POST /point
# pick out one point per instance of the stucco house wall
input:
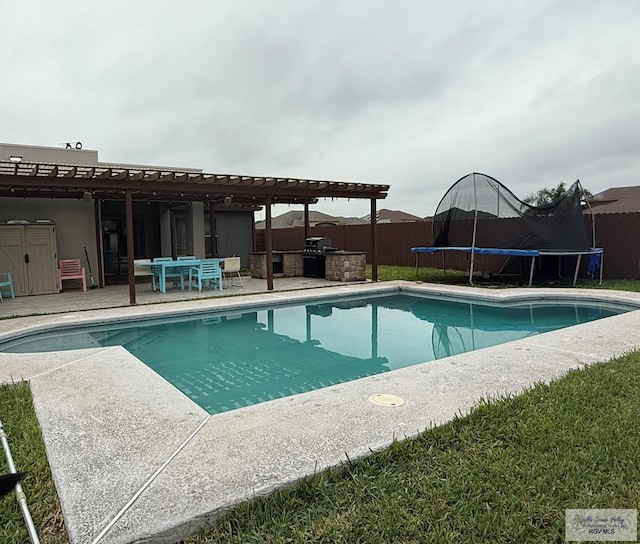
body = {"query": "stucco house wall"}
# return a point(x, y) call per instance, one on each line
point(235, 235)
point(74, 219)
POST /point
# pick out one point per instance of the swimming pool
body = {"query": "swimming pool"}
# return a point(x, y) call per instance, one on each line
point(224, 361)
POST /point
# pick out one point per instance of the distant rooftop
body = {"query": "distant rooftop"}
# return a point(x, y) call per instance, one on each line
point(392, 216)
point(295, 218)
point(617, 200)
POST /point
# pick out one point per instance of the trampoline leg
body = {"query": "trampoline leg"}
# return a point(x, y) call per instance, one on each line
point(560, 266)
point(416, 265)
point(601, 266)
point(575, 274)
point(533, 262)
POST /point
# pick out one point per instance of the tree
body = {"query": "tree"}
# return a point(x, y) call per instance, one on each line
point(546, 196)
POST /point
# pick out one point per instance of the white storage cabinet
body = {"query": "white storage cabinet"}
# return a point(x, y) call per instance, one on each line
point(29, 253)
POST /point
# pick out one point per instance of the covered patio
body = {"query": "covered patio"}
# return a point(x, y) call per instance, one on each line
point(24, 180)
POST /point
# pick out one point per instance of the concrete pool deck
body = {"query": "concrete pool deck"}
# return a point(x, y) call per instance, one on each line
point(134, 460)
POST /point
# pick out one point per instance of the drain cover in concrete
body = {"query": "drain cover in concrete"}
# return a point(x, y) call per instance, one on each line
point(386, 399)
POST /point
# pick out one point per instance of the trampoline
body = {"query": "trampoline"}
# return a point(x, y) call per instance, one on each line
point(479, 215)
point(533, 253)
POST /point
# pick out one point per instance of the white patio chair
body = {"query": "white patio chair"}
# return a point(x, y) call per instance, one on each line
point(231, 268)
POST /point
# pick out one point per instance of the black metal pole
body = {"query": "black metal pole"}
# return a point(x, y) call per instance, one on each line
point(268, 243)
point(128, 210)
point(374, 241)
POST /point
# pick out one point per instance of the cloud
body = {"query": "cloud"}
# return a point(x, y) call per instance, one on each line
point(412, 94)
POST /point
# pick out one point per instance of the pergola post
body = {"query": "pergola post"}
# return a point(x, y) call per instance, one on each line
point(213, 230)
point(128, 212)
point(268, 242)
point(374, 241)
point(97, 212)
point(306, 221)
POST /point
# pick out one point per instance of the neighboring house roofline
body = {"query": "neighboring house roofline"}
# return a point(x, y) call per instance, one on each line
point(615, 200)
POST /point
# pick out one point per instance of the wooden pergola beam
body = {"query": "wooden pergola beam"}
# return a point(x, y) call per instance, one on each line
point(109, 178)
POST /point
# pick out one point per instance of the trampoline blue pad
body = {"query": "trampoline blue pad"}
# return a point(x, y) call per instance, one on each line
point(480, 250)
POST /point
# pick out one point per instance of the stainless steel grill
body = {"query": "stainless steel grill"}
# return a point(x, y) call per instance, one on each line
point(314, 256)
point(316, 244)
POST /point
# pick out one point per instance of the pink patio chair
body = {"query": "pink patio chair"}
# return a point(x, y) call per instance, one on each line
point(71, 269)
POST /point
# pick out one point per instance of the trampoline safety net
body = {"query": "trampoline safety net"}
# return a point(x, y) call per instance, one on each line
point(479, 211)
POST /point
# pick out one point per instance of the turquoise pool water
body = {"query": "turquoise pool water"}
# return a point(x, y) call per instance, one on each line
point(226, 361)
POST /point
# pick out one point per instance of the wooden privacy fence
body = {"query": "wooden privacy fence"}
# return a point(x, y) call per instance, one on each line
point(617, 233)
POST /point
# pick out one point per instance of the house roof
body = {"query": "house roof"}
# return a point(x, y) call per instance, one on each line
point(616, 193)
point(295, 218)
point(392, 216)
point(47, 180)
point(617, 200)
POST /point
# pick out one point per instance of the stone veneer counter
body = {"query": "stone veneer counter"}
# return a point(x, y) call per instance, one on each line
point(286, 264)
point(346, 266)
point(340, 265)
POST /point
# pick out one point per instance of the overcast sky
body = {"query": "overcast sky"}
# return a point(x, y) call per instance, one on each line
point(414, 94)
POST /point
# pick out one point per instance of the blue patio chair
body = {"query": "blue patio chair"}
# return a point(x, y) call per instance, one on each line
point(174, 274)
point(185, 271)
point(208, 269)
point(5, 281)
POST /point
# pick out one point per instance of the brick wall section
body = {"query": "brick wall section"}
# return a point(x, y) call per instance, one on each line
point(258, 266)
point(345, 266)
point(292, 264)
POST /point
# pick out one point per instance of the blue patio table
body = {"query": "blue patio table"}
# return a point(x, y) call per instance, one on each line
point(180, 265)
point(161, 268)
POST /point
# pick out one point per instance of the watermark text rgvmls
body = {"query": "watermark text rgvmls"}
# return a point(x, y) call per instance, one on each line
point(604, 525)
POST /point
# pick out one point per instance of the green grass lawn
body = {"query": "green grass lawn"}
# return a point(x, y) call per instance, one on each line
point(27, 449)
point(430, 275)
point(458, 277)
point(504, 473)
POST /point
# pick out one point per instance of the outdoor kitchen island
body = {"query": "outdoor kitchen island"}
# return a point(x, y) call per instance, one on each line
point(346, 266)
point(317, 260)
point(286, 264)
